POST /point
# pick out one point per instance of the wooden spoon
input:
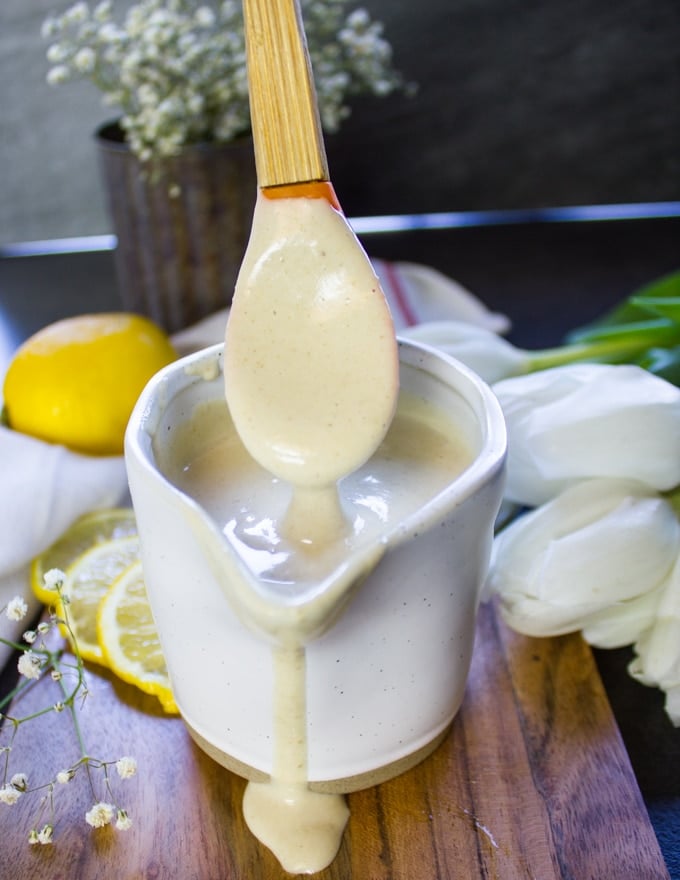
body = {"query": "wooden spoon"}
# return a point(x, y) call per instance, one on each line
point(285, 121)
point(311, 363)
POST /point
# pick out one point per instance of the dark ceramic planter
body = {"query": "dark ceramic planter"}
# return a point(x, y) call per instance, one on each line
point(178, 254)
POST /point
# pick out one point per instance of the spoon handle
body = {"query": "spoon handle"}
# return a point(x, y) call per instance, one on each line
point(285, 119)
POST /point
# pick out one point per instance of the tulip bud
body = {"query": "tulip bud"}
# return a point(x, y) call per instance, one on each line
point(436, 296)
point(657, 660)
point(488, 355)
point(621, 624)
point(571, 423)
point(598, 545)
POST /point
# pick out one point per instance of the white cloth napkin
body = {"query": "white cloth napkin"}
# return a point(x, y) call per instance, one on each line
point(44, 488)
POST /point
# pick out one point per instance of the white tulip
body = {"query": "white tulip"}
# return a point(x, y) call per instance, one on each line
point(441, 298)
point(673, 704)
point(657, 660)
point(575, 422)
point(488, 355)
point(622, 623)
point(596, 546)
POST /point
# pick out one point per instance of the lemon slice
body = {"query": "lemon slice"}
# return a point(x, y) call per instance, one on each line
point(128, 637)
point(87, 582)
point(91, 529)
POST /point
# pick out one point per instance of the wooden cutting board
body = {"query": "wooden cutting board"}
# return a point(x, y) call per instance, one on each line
point(532, 782)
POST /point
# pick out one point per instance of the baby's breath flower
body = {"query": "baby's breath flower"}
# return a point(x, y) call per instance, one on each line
point(19, 781)
point(123, 821)
point(205, 17)
point(54, 579)
point(16, 608)
point(109, 33)
point(9, 795)
point(84, 60)
point(29, 665)
point(50, 28)
point(45, 834)
point(102, 11)
point(100, 814)
point(126, 767)
point(358, 19)
point(57, 53)
point(77, 13)
point(185, 61)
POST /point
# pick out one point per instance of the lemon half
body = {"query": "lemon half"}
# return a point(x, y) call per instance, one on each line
point(76, 382)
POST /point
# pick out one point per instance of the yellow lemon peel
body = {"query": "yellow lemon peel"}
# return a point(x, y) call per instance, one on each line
point(128, 637)
point(75, 382)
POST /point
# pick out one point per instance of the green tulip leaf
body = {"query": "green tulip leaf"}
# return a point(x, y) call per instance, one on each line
point(635, 309)
point(666, 307)
point(645, 333)
point(663, 362)
point(665, 287)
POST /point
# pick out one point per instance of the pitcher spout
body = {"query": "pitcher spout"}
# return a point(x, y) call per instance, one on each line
point(288, 614)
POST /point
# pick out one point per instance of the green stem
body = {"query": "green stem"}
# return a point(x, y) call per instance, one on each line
point(21, 686)
point(673, 498)
point(8, 749)
point(607, 350)
point(69, 700)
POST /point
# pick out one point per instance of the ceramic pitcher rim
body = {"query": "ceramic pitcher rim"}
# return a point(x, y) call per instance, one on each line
point(487, 463)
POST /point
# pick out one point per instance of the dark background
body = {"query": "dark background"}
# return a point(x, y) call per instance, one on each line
point(521, 103)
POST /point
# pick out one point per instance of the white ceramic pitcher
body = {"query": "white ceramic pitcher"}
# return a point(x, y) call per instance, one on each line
point(386, 678)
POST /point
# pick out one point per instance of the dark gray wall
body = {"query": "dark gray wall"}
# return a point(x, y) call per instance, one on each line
point(521, 103)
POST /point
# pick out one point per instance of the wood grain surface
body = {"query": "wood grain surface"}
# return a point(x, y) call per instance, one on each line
point(289, 146)
point(532, 782)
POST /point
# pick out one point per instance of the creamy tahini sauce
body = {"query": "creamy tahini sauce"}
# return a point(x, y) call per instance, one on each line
point(311, 371)
point(311, 362)
point(311, 379)
point(420, 455)
point(301, 827)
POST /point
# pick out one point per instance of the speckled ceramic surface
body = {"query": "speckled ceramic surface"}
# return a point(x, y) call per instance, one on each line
point(386, 679)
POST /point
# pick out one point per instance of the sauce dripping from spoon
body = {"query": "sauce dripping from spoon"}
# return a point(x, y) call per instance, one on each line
point(302, 828)
point(311, 379)
point(311, 364)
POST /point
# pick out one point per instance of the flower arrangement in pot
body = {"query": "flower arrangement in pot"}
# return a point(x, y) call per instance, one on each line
point(177, 163)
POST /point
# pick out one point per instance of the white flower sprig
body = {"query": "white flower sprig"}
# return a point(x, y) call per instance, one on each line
point(36, 660)
point(177, 68)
